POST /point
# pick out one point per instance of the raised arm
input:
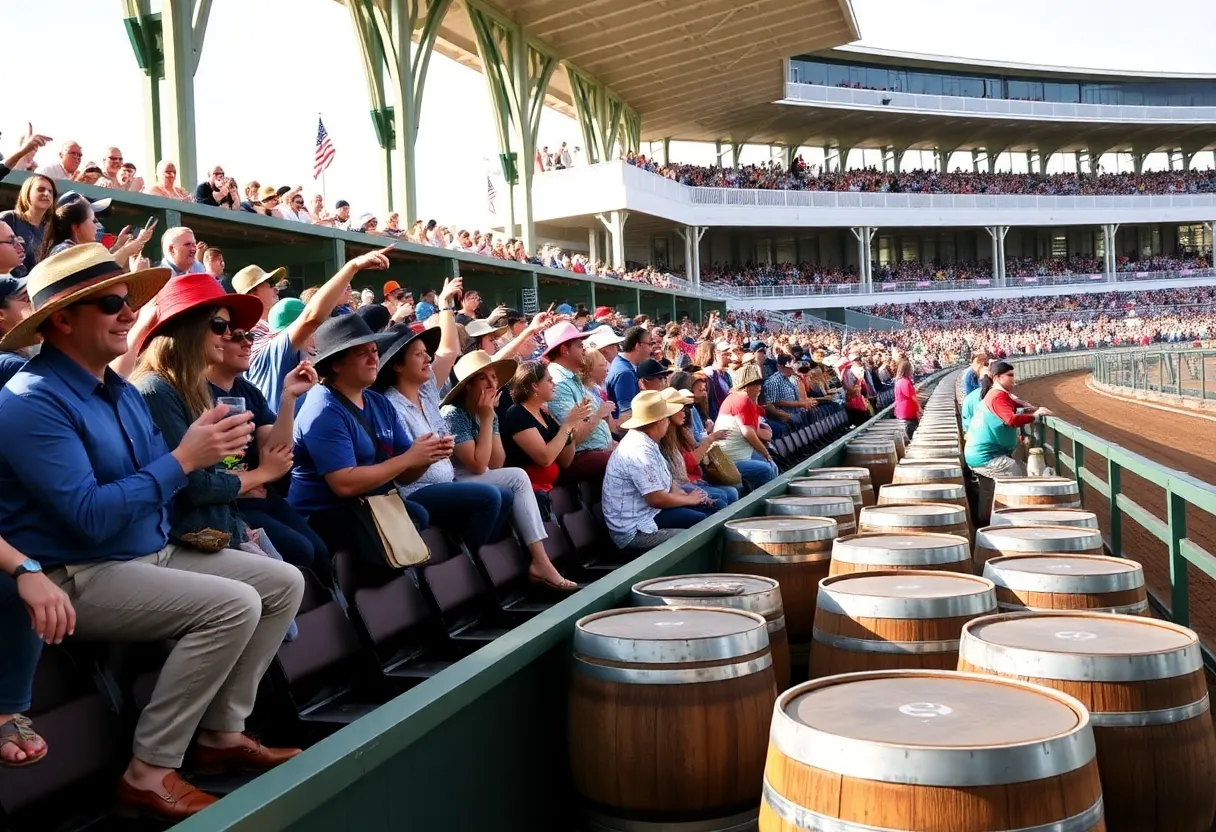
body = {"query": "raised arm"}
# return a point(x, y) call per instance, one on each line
point(332, 293)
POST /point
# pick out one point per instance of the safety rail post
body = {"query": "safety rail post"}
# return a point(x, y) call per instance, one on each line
point(1175, 516)
point(1114, 487)
point(1078, 462)
point(1203, 376)
point(1055, 449)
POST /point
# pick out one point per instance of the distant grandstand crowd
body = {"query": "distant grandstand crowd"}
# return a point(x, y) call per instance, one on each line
point(802, 177)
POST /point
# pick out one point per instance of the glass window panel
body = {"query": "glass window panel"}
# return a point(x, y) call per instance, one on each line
point(878, 79)
point(837, 75)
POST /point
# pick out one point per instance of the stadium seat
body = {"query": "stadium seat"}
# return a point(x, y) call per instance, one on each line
point(563, 501)
point(460, 593)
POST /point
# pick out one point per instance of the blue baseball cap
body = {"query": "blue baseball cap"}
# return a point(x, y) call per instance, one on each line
point(10, 286)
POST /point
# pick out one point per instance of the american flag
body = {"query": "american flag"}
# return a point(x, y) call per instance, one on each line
point(325, 151)
point(491, 195)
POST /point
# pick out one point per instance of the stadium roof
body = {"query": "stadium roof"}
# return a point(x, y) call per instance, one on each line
point(683, 65)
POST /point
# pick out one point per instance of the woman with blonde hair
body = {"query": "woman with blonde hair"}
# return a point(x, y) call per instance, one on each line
point(31, 217)
point(166, 183)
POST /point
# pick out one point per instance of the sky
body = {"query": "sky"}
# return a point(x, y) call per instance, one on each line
point(265, 75)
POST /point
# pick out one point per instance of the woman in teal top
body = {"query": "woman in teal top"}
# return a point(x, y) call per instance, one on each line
point(992, 431)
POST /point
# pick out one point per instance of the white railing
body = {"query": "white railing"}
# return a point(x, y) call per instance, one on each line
point(1075, 314)
point(1007, 108)
point(793, 290)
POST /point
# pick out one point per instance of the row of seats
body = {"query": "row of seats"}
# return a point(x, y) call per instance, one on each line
point(374, 635)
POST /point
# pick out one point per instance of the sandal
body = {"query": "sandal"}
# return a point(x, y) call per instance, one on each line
point(564, 586)
point(19, 731)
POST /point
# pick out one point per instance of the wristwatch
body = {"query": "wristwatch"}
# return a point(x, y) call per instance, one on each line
point(27, 565)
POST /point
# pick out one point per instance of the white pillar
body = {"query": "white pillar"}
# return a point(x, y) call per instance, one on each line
point(698, 233)
point(997, 233)
point(617, 229)
point(1211, 227)
point(593, 245)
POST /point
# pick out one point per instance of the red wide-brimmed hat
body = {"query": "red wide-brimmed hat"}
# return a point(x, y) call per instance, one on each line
point(196, 291)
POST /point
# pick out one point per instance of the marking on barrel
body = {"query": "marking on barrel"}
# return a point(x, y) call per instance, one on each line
point(1060, 567)
point(907, 586)
point(1076, 635)
point(925, 710)
point(669, 623)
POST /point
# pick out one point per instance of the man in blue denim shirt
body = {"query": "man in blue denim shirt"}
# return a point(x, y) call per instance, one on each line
point(85, 487)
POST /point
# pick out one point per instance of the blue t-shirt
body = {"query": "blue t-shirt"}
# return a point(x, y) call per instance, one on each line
point(328, 439)
point(10, 364)
point(270, 366)
point(622, 383)
point(971, 381)
point(424, 310)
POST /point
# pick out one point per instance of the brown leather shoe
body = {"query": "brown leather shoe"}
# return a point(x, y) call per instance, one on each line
point(183, 800)
point(256, 757)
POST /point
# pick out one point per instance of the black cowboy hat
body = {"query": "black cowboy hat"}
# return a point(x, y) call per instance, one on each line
point(399, 337)
point(336, 335)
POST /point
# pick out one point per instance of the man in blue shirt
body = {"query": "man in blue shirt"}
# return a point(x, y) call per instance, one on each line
point(971, 378)
point(86, 483)
point(623, 371)
point(180, 250)
point(426, 307)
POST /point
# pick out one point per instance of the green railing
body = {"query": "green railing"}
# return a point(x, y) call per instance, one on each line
point(1183, 494)
point(1187, 374)
point(481, 745)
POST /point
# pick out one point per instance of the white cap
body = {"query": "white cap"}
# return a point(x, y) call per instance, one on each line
point(603, 336)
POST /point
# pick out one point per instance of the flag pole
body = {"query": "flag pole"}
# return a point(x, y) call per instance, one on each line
point(324, 193)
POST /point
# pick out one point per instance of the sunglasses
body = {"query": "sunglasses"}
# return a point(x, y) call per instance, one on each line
point(108, 304)
point(223, 326)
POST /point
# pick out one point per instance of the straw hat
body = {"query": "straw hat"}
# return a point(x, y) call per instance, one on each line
point(479, 327)
point(77, 273)
point(678, 396)
point(251, 277)
point(472, 364)
point(648, 407)
point(745, 375)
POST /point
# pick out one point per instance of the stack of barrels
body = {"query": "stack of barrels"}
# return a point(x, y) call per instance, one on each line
point(1006, 678)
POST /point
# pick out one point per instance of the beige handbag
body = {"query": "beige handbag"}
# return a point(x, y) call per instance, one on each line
point(719, 469)
point(402, 544)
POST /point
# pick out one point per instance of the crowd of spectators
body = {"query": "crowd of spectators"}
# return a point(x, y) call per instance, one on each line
point(802, 177)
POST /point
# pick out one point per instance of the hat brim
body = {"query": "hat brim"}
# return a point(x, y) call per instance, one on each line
point(495, 332)
point(639, 422)
point(399, 341)
point(666, 372)
point(737, 387)
point(276, 275)
point(246, 311)
point(377, 338)
point(582, 336)
point(504, 367)
point(142, 286)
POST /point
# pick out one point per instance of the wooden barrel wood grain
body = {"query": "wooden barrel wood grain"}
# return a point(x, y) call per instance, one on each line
point(752, 593)
point(1027, 492)
point(929, 750)
point(925, 471)
point(682, 668)
point(1143, 683)
point(839, 509)
point(876, 455)
point(1010, 541)
point(861, 475)
point(825, 487)
point(938, 518)
point(1045, 517)
point(922, 492)
point(878, 551)
point(1090, 583)
point(894, 619)
point(794, 551)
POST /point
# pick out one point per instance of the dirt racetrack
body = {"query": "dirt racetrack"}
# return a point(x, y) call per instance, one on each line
point(1176, 440)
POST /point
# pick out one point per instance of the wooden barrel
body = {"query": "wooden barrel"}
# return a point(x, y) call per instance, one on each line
point(914, 472)
point(1026, 492)
point(914, 518)
point(875, 455)
point(928, 750)
point(816, 487)
point(898, 437)
point(868, 552)
point(682, 668)
point(794, 551)
point(923, 452)
point(1078, 517)
point(724, 589)
point(923, 492)
point(862, 475)
point(1011, 541)
point(1091, 583)
point(1143, 683)
point(839, 509)
point(895, 619)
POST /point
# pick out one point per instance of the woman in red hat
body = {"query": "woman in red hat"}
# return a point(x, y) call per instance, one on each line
point(194, 317)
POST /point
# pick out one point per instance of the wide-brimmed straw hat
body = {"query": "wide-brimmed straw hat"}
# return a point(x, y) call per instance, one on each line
point(746, 375)
point(648, 407)
point(472, 364)
point(74, 274)
point(251, 277)
point(677, 395)
point(189, 292)
point(480, 327)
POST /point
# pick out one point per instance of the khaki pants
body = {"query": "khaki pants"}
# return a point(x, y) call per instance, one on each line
point(228, 612)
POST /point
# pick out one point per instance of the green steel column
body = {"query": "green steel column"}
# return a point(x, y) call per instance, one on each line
point(1114, 484)
point(184, 26)
point(144, 32)
point(1175, 517)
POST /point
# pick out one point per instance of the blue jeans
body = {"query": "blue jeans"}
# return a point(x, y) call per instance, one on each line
point(22, 647)
point(475, 512)
point(684, 517)
point(722, 495)
point(288, 531)
point(756, 471)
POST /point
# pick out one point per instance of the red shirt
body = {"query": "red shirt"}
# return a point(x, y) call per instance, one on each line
point(691, 466)
point(738, 404)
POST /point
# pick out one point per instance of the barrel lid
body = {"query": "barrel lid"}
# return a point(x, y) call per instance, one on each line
point(1037, 537)
point(776, 528)
point(934, 465)
point(746, 584)
point(908, 584)
point(1074, 574)
point(930, 460)
point(886, 547)
point(925, 489)
point(1045, 516)
point(670, 635)
point(937, 728)
point(875, 443)
point(913, 514)
point(840, 473)
point(849, 485)
point(1065, 565)
point(814, 503)
point(1036, 485)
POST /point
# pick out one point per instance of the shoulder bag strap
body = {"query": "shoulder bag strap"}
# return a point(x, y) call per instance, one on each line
point(362, 420)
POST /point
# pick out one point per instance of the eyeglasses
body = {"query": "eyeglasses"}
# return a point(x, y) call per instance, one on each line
point(108, 304)
point(239, 335)
point(75, 154)
point(12, 241)
point(114, 158)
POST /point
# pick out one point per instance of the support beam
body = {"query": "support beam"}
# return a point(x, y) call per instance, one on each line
point(593, 245)
point(975, 161)
point(615, 223)
point(1211, 227)
point(997, 233)
point(865, 272)
point(607, 123)
point(1138, 162)
point(1108, 251)
point(699, 232)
